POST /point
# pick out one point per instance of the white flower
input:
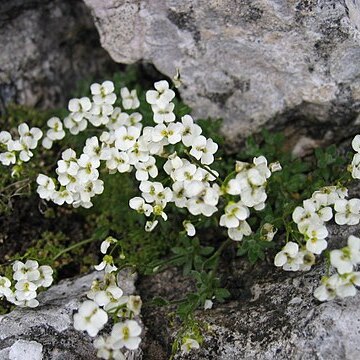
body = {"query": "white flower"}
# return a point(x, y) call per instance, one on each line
point(7, 158)
point(306, 260)
point(92, 148)
point(138, 204)
point(90, 318)
point(327, 291)
point(189, 228)
point(139, 152)
point(105, 347)
point(172, 133)
point(79, 108)
point(347, 286)
point(134, 120)
point(75, 127)
point(62, 196)
point(186, 171)
point(116, 119)
point(56, 132)
point(28, 271)
point(254, 197)
point(118, 160)
point(25, 290)
point(99, 114)
point(162, 95)
point(134, 304)
point(88, 171)
point(29, 137)
point(305, 215)
point(5, 284)
point(110, 295)
point(5, 137)
point(107, 264)
point(205, 203)
point(126, 137)
point(234, 213)
point(189, 344)
point(190, 130)
point(345, 259)
point(155, 192)
point(355, 166)
point(287, 257)
point(104, 93)
point(46, 276)
point(356, 143)
point(146, 169)
point(106, 244)
point(126, 334)
point(347, 211)
point(163, 113)
point(208, 304)
point(46, 186)
point(179, 194)
point(315, 236)
point(129, 99)
point(261, 165)
point(239, 232)
point(255, 177)
point(173, 162)
point(203, 149)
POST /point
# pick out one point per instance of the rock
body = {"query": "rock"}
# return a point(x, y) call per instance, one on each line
point(271, 315)
point(253, 63)
point(47, 332)
point(46, 48)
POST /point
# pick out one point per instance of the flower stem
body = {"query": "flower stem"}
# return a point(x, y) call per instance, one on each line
point(72, 247)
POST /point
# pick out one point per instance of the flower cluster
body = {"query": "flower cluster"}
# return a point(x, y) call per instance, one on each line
point(311, 221)
point(343, 282)
point(78, 178)
point(325, 204)
point(28, 276)
point(11, 148)
point(250, 185)
point(106, 297)
point(126, 145)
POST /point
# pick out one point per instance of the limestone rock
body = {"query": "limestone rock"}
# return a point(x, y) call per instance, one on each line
point(47, 331)
point(272, 314)
point(252, 63)
point(46, 48)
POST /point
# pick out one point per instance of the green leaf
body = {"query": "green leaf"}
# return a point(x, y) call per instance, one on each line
point(221, 294)
point(159, 301)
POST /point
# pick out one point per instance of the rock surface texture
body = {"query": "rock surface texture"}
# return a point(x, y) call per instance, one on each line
point(250, 62)
point(46, 47)
point(47, 332)
point(272, 314)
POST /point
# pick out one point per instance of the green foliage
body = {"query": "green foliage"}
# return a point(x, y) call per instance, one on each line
point(208, 286)
point(191, 255)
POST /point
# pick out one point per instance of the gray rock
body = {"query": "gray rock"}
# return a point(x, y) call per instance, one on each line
point(47, 332)
point(272, 314)
point(46, 48)
point(252, 63)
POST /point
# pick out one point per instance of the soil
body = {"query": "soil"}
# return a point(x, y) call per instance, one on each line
point(24, 224)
